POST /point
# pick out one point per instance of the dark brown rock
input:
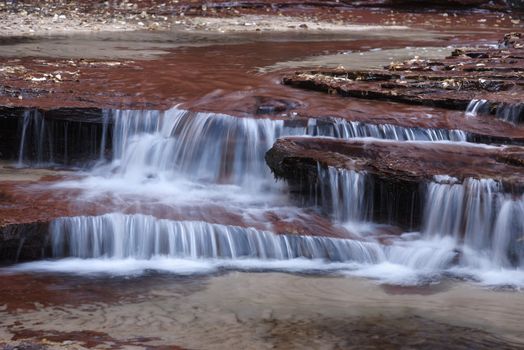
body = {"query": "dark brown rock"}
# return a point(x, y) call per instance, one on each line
point(399, 161)
point(23, 242)
point(494, 75)
point(397, 172)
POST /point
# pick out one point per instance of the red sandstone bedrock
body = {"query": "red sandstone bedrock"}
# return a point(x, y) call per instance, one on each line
point(495, 75)
point(399, 161)
point(396, 172)
point(28, 207)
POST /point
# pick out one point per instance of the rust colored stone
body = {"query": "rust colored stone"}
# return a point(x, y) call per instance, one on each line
point(410, 162)
point(494, 75)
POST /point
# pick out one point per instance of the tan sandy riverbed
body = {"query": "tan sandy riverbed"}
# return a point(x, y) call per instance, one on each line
point(282, 311)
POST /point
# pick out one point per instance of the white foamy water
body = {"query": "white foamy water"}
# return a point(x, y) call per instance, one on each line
point(513, 113)
point(479, 216)
point(236, 143)
point(133, 244)
point(144, 237)
point(470, 230)
point(345, 193)
point(177, 156)
point(220, 148)
point(475, 107)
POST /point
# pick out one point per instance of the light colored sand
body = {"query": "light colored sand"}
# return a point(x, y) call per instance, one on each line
point(241, 310)
point(30, 24)
point(270, 23)
point(374, 59)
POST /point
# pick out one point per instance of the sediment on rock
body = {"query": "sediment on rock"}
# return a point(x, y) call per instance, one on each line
point(396, 171)
point(492, 75)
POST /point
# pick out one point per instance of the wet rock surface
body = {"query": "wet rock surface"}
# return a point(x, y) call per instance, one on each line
point(23, 242)
point(492, 74)
point(61, 87)
point(28, 206)
point(395, 172)
point(398, 161)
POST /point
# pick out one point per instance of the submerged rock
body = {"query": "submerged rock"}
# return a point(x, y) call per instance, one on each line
point(491, 74)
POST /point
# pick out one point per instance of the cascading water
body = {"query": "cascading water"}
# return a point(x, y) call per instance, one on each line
point(35, 138)
point(46, 142)
point(479, 217)
point(53, 142)
point(222, 148)
point(512, 113)
point(345, 192)
point(464, 225)
point(144, 237)
point(476, 107)
point(350, 129)
point(132, 241)
point(209, 147)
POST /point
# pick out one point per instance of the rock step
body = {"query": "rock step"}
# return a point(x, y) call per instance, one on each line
point(397, 172)
point(492, 75)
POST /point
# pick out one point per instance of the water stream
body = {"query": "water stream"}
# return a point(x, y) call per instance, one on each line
point(179, 157)
point(512, 113)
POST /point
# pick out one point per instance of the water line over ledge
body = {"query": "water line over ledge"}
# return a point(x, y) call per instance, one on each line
point(222, 148)
point(485, 224)
point(46, 141)
point(118, 243)
point(479, 216)
point(181, 156)
point(511, 113)
point(119, 236)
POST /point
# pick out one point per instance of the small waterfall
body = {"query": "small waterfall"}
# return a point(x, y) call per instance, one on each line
point(206, 146)
point(45, 142)
point(478, 215)
point(346, 193)
point(225, 149)
point(512, 113)
point(350, 129)
point(36, 139)
point(105, 126)
point(181, 137)
point(122, 236)
point(476, 107)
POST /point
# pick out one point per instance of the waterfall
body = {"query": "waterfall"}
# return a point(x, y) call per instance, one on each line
point(138, 236)
point(346, 193)
point(36, 139)
point(177, 135)
point(118, 240)
point(46, 141)
point(476, 107)
point(105, 126)
point(512, 113)
point(206, 146)
point(350, 129)
point(120, 243)
point(479, 216)
point(220, 148)
point(470, 224)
